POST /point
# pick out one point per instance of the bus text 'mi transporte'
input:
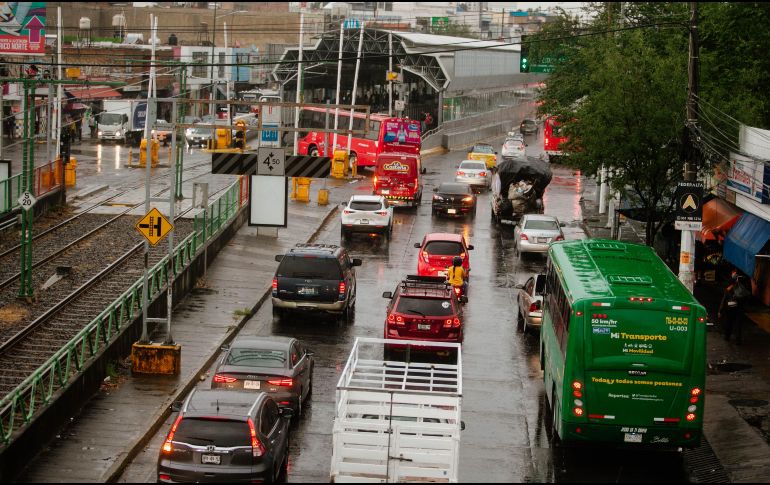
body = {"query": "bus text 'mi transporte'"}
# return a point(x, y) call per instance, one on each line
point(622, 347)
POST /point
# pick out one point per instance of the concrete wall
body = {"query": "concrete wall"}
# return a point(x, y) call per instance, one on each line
point(68, 402)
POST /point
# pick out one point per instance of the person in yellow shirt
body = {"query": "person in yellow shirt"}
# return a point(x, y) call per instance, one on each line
point(455, 274)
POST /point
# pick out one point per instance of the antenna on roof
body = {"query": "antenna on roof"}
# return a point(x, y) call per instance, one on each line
point(217, 406)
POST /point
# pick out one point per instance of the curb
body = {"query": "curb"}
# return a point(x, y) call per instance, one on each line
point(116, 470)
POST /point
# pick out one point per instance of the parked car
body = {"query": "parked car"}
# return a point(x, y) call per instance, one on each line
point(437, 250)
point(315, 277)
point(534, 232)
point(279, 366)
point(484, 152)
point(473, 173)
point(225, 436)
point(529, 126)
point(424, 308)
point(162, 131)
point(366, 214)
point(514, 148)
point(530, 302)
point(198, 135)
point(453, 199)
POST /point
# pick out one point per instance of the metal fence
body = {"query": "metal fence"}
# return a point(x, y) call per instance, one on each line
point(19, 406)
point(459, 107)
point(45, 178)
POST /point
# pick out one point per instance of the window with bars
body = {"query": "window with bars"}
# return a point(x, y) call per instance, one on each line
point(200, 59)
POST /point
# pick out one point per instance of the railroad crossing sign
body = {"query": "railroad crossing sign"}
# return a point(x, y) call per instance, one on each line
point(689, 207)
point(270, 161)
point(154, 226)
point(27, 200)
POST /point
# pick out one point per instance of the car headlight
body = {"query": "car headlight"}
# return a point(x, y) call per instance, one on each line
point(118, 133)
point(438, 198)
point(99, 133)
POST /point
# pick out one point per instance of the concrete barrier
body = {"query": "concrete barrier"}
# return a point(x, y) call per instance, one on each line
point(461, 133)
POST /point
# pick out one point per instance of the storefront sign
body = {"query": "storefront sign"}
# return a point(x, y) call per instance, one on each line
point(22, 28)
point(748, 177)
point(689, 206)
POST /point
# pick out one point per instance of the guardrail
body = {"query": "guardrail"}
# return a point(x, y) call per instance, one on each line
point(19, 406)
point(45, 179)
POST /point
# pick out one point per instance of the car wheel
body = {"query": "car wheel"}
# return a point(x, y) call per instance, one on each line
point(520, 322)
point(353, 159)
point(283, 473)
point(313, 152)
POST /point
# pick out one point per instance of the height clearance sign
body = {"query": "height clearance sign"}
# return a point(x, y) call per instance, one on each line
point(689, 206)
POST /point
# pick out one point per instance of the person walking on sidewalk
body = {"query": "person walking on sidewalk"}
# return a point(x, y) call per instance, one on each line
point(730, 307)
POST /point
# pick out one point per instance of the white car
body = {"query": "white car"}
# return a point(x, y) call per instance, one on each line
point(474, 173)
point(514, 148)
point(530, 303)
point(368, 214)
point(535, 232)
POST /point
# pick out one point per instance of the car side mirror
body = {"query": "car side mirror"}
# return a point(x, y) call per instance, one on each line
point(176, 406)
point(462, 425)
point(279, 257)
point(387, 294)
point(357, 262)
point(561, 224)
point(417, 245)
point(286, 413)
point(435, 189)
point(470, 247)
point(463, 299)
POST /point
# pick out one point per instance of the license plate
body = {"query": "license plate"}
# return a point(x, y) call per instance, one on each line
point(423, 326)
point(307, 290)
point(385, 191)
point(451, 211)
point(251, 384)
point(542, 239)
point(211, 459)
point(632, 438)
point(364, 221)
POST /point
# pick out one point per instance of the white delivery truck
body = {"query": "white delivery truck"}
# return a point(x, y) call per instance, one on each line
point(122, 120)
point(396, 421)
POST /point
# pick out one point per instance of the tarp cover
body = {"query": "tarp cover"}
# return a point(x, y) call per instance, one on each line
point(534, 171)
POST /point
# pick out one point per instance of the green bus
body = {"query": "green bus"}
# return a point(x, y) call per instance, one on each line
point(622, 347)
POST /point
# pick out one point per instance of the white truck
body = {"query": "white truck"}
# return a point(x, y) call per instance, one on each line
point(396, 421)
point(122, 120)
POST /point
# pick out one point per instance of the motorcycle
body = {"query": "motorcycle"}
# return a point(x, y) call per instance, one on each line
point(461, 292)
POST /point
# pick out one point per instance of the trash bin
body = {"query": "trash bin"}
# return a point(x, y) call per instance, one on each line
point(323, 196)
point(303, 189)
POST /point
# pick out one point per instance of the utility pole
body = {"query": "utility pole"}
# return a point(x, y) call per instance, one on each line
point(687, 246)
point(339, 80)
point(352, 163)
point(212, 96)
point(390, 69)
point(298, 97)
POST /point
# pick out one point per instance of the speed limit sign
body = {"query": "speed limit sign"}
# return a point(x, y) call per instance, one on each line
point(27, 200)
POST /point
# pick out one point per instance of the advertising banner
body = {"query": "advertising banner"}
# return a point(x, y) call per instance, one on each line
point(399, 134)
point(22, 28)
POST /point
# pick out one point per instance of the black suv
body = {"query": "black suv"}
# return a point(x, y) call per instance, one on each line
point(318, 277)
point(226, 436)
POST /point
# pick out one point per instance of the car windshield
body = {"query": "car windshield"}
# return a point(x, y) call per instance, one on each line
point(200, 131)
point(528, 122)
point(444, 248)
point(453, 189)
point(219, 432)
point(428, 307)
point(473, 166)
point(512, 144)
point(483, 149)
point(110, 118)
point(361, 205)
point(540, 224)
point(309, 267)
point(256, 357)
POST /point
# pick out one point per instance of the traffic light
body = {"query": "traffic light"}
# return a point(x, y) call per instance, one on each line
point(240, 135)
point(524, 55)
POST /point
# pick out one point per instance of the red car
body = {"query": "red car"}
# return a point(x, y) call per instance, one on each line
point(436, 253)
point(424, 308)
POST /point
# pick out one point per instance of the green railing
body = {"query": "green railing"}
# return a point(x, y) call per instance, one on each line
point(20, 405)
point(10, 191)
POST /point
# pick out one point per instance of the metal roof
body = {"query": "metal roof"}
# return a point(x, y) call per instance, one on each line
point(416, 39)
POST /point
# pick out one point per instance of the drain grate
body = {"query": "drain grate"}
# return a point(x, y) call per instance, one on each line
point(703, 465)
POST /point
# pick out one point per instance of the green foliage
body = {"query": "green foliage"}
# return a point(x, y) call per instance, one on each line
point(455, 30)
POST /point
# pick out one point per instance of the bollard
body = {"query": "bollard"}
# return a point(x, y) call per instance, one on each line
point(154, 150)
point(339, 162)
point(70, 177)
point(293, 194)
point(57, 171)
point(130, 156)
point(143, 152)
point(323, 196)
point(303, 189)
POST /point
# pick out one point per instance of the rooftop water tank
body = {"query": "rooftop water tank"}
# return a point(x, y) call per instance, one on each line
point(85, 23)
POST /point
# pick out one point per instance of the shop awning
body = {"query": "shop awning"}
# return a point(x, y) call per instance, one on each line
point(90, 93)
point(719, 216)
point(745, 240)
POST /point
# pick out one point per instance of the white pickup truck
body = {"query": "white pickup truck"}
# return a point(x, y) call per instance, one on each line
point(397, 421)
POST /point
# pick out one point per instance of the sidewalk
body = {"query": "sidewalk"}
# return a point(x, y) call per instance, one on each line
point(737, 414)
point(114, 425)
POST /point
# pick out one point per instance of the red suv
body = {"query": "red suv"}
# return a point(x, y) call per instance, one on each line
point(437, 251)
point(424, 308)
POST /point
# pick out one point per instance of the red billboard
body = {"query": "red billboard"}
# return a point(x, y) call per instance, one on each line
point(22, 28)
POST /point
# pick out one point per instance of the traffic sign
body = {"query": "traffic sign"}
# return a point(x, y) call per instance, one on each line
point(247, 164)
point(154, 226)
point(27, 200)
point(270, 161)
point(689, 207)
point(399, 105)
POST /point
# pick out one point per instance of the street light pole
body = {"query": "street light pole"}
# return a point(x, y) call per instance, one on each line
point(213, 44)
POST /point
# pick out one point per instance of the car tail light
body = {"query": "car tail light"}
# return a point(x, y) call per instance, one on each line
point(342, 290)
point(524, 237)
point(482, 174)
point(397, 319)
point(256, 447)
point(559, 238)
point(374, 180)
point(452, 322)
point(347, 211)
point(219, 378)
point(275, 284)
point(425, 256)
point(535, 306)
point(164, 476)
point(288, 382)
point(168, 447)
point(460, 173)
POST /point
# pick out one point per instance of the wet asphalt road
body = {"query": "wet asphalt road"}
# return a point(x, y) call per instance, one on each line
point(503, 406)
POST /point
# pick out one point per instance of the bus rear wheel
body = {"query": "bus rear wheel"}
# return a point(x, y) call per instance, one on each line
point(313, 152)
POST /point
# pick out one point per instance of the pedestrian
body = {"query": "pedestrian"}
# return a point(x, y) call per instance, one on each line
point(92, 125)
point(730, 308)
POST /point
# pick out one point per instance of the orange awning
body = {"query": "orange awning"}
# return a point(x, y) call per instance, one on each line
point(719, 216)
point(86, 93)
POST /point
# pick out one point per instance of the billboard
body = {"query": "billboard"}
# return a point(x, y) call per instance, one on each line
point(22, 28)
point(400, 133)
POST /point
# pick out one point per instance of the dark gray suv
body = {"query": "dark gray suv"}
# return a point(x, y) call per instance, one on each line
point(315, 277)
point(226, 436)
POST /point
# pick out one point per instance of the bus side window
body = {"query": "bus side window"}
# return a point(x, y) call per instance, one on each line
point(374, 131)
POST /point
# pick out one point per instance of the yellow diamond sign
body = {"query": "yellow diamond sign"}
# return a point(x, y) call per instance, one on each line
point(154, 226)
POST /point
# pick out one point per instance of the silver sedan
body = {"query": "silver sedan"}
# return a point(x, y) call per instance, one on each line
point(474, 173)
point(535, 232)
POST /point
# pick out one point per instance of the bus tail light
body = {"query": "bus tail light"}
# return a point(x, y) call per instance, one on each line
point(577, 391)
point(641, 299)
point(681, 308)
point(578, 412)
point(601, 303)
point(690, 417)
